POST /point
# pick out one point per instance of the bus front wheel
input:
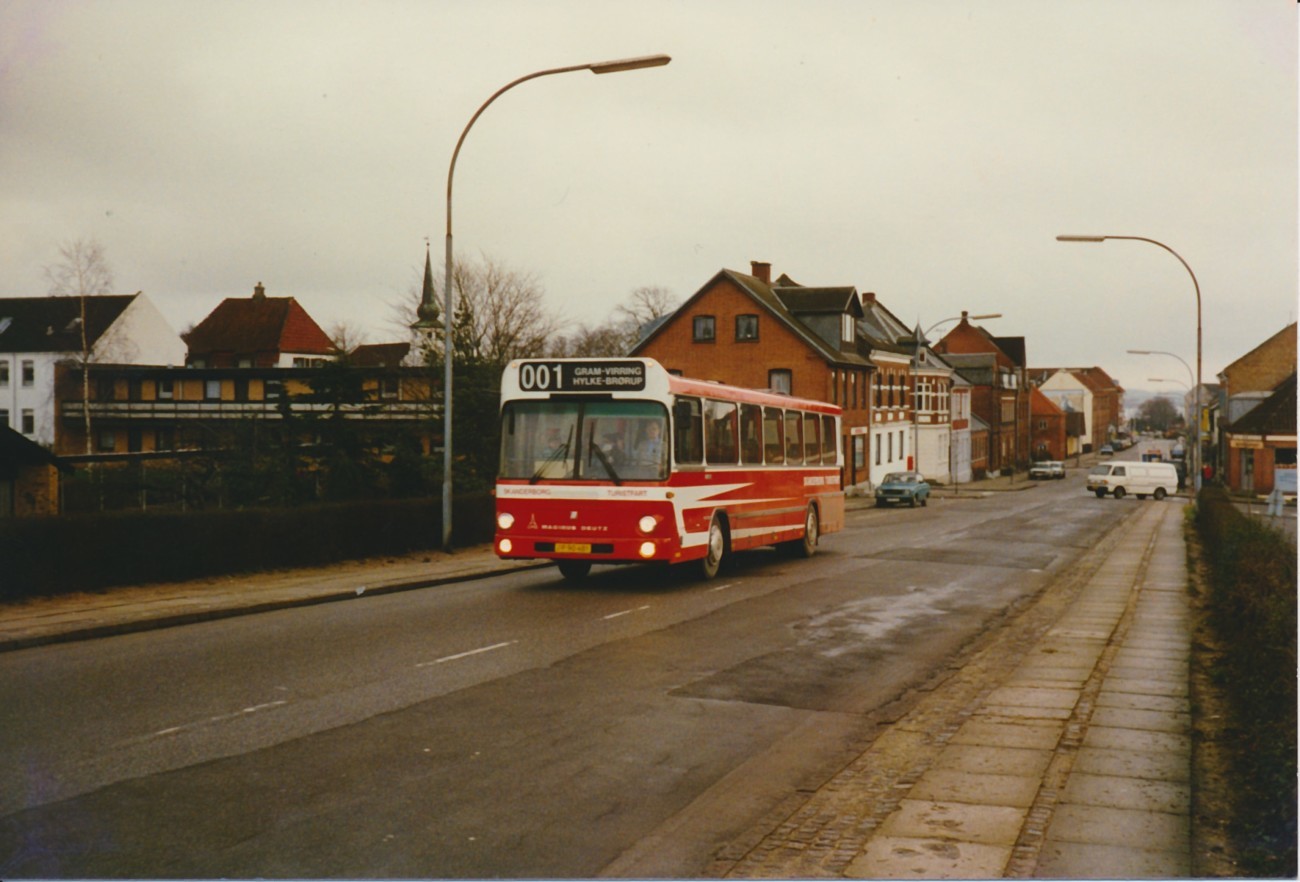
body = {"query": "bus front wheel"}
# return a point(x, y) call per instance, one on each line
point(715, 550)
point(574, 570)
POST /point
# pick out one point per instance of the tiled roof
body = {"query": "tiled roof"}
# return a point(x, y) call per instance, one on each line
point(52, 324)
point(258, 324)
point(1275, 415)
point(379, 354)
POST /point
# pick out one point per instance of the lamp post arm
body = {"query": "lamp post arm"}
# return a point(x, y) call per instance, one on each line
point(451, 170)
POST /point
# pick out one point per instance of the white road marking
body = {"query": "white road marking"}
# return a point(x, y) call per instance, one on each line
point(626, 612)
point(219, 718)
point(722, 587)
point(460, 655)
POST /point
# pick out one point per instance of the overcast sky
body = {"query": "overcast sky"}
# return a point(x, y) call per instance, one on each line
point(927, 151)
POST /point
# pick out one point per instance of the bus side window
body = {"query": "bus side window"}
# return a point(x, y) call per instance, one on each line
point(720, 432)
point(793, 441)
point(751, 434)
point(773, 435)
point(811, 441)
point(688, 431)
point(830, 439)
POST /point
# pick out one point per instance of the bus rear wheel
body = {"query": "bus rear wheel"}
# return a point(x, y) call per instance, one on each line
point(574, 570)
point(807, 546)
point(715, 550)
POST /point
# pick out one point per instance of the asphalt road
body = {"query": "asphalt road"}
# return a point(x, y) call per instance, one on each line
point(517, 727)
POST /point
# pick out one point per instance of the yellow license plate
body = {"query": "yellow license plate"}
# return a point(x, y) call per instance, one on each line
point(572, 548)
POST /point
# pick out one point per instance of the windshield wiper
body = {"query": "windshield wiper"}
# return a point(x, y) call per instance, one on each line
point(609, 466)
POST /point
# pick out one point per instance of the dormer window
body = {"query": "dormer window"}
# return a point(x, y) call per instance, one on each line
point(846, 328)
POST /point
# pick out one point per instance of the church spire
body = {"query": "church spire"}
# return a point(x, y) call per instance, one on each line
point(428, 311)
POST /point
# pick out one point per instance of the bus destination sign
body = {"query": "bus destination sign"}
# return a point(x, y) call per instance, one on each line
point(582, 376)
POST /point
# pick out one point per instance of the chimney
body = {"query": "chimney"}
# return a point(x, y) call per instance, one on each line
point(868, 297)
point(761, 271)
point(259, 292)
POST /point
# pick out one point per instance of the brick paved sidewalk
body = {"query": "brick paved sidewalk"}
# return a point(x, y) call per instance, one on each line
point(1061, 749)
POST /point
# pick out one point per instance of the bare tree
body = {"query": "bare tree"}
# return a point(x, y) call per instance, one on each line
point(644, 306)
point(82, 271)
point(500, 314)
point(346, 337)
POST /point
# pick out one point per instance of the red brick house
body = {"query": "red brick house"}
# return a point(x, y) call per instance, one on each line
point(258, 331)
point(746, 330)
point(1245, 385)
point(1046, 428)
point(995, 367)
point(1263, 442)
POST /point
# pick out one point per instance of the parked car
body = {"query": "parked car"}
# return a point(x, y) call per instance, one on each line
point(907, 487)
point(1047, 468)
point(1107, 450)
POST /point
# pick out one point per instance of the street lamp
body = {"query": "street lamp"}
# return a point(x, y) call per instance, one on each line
point(916, 349)
point(599, 67)
point(1196, 396)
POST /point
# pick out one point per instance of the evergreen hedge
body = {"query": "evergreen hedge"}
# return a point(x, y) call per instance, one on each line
point(1253, 610)
point(94, 552)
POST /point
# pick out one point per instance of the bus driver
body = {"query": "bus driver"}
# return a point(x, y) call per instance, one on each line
point(650, 451)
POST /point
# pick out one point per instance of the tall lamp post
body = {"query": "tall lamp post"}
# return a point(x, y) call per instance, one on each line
point(916, 350)
point(1196, 391)
point(600, 67)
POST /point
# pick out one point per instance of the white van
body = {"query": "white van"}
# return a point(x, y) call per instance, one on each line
point(1142, 479)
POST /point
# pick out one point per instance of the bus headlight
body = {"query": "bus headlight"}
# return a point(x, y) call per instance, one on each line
point(505, 520)
point(505, 546)
point(647, 524)
point(647, 549)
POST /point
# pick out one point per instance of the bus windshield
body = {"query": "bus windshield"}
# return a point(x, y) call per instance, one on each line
point(584, 440)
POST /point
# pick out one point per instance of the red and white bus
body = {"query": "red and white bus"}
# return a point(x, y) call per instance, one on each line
point(617, 460)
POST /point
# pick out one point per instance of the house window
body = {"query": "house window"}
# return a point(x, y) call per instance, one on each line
point(166, 389)
point(780, 380)
point(4, 418)
point(164, 439)
point(746, 328)
point(388, 387)
point(846, 328)
point(212, 390)
point(702, 329)
point(106, 442)
point(29, 373)
point(4, 373)
point(29, 422)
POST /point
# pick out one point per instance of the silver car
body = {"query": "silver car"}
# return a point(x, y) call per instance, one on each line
point(1047, 469)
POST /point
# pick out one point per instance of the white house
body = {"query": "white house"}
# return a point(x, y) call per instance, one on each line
point(1069, 393)
point(38, 332)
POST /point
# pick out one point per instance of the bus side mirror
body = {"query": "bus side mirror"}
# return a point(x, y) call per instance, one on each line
point(682, 411)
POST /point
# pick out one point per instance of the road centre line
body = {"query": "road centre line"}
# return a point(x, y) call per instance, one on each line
point(626, 612)
point(172, 730)
point(460, 655)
